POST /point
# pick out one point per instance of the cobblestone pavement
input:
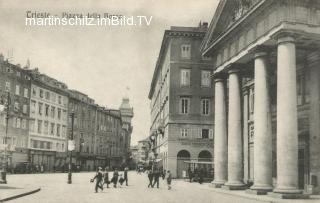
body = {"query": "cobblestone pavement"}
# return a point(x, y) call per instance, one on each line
point(54, 188)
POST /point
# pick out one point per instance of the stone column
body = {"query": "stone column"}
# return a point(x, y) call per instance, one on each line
point(235, 149)
point(262, 127)
point(287, 124)
point(220, 132)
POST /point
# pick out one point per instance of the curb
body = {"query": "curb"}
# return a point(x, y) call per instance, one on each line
point(20, 195)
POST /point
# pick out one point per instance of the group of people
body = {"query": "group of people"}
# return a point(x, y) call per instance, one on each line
point(102, 178)
point(154, 177)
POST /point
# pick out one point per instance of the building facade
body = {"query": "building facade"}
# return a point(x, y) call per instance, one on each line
point(84, 111)
point(267, 95)
point(48, 121)
point(182, 100)
point(15, 86)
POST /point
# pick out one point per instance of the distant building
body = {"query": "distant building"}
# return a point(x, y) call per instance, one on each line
point(143, 148)
point(15, 81)
point(48, 121)
point(181, 95)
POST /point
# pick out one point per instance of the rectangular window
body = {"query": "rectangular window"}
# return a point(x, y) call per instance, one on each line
point(25, 109)
point(17, 90)
point(59, 113)
point(46, 127)
point(205, 134)
point(41, 93)
point(53, 97)
point(59, 100)
point(40, 108)
point(205, 106)
point(16, 106)
point(58, 130)
point(186, 51)
point(14, 122)
point(31, 125)
point(47, 110)
point(7, 88)
point(18, 74)
point(47, 95)
point(52, 129)
point(34, 91)
point(24, 124)
point(18, 122)
point(53, 110)
point(39, 126)
point(25, 92)
point(205, 78)
point(184, 133)
point(33, 107)
point(184, 105)
point(185, 77)
point(211, 134)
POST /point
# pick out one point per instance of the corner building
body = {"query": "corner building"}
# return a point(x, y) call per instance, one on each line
point(181, 97)
point(267, 92)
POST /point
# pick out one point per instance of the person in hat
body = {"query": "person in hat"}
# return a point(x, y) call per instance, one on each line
point(98, 178)
point(106, 177)
point(115, 178)
point(125, 174)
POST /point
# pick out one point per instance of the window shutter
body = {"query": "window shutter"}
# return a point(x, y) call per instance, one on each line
point(211, 134)
point(200, 133)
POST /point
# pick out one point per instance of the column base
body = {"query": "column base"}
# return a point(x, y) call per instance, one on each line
point(234, 186)
point(289, 195)
point(217, 184)
point(258, 191)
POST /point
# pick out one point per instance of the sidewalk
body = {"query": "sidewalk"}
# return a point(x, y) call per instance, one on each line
point(10, 192)
point(239, 196)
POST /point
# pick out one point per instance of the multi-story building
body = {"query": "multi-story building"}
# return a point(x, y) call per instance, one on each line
point(84, 110)
point(14, 87)
point(48, 121)
point(143, 148)
point(267, 52)
point(181, 97)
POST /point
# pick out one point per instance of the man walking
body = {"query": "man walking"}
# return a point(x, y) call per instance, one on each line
point(126, 175)
point(98, 178)
point(150, 176)
point(156, 177)
point(106, 177)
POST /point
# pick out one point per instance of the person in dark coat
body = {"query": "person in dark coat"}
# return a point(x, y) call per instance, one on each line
point(150, 176)
point(156, 177)
point(125, 174)
point(190, 174)
point(169, 178)
point(115, 178)
point(106, 177)
point(98, 178)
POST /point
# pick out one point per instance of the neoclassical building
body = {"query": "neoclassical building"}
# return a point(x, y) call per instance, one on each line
point(267, 93)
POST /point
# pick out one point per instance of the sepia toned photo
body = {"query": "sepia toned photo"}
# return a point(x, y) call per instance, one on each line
point(162, 101)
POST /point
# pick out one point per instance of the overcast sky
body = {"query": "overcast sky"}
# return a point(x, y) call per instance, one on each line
point(99, 61)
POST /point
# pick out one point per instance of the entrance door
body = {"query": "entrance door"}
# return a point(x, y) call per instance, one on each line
point(182, 156)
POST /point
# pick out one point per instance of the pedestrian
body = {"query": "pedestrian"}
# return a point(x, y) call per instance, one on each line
point(115, 178)
point(98, 178)
point(190, 174)
point(125, 173)
point(150, 176)
point(106, 177)
point(169, 178)
point(121, 180)
point(156, 176)
point(201, 174)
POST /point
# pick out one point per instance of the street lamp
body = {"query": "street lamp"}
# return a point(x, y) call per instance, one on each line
point(5, 159)
point(71, 147)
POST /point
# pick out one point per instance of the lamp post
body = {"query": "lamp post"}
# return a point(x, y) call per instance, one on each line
point(70, 148)
point(5, 158)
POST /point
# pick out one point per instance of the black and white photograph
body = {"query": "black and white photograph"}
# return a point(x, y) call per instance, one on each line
point(162, 101)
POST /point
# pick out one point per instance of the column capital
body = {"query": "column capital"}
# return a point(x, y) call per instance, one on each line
point(219, 77)
point(233, 71)
point(285, 36)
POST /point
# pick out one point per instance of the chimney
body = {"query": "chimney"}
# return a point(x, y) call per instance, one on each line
point(205, 24)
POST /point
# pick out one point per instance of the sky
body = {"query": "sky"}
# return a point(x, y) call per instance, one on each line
point(105, 62)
